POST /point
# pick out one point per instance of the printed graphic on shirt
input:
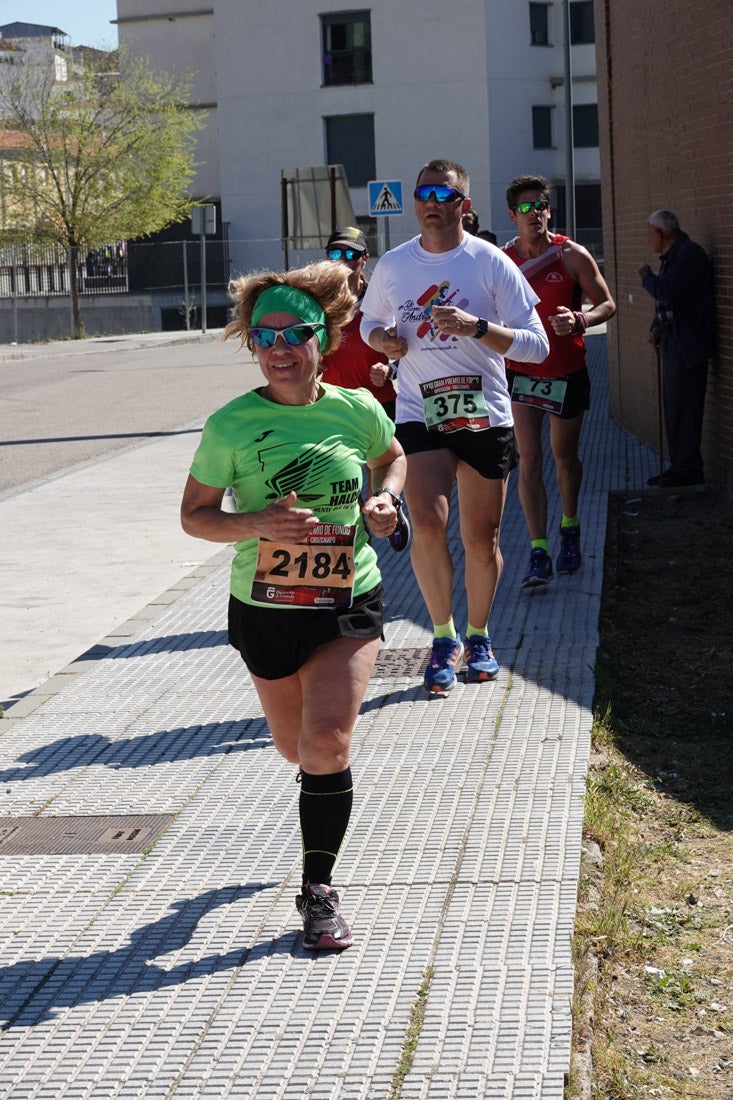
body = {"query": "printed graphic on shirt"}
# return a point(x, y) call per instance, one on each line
point(419, 312)
point(312, 475)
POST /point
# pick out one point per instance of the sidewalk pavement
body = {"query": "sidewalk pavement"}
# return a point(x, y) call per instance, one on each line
point(92, 345)
point(89, 510)
point(150, 944)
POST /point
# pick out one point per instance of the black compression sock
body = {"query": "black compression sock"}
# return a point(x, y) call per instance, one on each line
point(325, 809)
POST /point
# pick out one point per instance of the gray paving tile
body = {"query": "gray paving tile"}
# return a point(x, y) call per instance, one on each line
point(180, 972)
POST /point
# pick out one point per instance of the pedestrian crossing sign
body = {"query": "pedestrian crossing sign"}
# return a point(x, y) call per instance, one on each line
point(385, 197)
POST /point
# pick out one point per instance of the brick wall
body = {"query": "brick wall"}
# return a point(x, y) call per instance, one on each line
point(665, 83)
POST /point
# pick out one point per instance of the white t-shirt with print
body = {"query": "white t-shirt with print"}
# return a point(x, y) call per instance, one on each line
point(475, 277)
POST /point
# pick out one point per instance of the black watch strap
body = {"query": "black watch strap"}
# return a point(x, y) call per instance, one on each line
point(395, 496)
point(482, 327)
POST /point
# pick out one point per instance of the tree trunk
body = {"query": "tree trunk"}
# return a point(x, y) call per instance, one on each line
point(79, 331)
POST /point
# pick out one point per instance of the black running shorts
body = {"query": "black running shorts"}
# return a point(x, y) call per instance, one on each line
point(276, 641)
point(492, 452)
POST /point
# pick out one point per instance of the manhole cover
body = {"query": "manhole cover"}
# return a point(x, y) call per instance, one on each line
point(56, 836)
point(402, 662)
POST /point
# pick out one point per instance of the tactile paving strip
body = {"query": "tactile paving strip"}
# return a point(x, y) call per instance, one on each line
point(180, 972)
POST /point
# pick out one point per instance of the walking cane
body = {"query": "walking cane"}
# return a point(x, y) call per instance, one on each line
point(660, 436)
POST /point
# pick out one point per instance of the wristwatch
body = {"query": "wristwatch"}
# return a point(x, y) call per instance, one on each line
point(395, 496)
point(482, 327)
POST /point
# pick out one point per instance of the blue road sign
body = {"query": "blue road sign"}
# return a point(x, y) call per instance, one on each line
point(385, 197)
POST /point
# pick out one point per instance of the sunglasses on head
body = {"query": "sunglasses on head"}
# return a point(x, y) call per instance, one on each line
point(344, 253)
point(525, 207)
point(427, 191)
point(294, 335)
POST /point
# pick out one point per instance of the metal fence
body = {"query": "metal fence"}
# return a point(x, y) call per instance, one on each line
point(159, 267)
point(30, 270)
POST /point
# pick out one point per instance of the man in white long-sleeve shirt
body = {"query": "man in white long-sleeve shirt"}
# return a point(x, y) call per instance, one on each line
point(449, 307)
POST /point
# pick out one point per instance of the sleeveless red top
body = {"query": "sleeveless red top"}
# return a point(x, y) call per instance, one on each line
point(554, 287)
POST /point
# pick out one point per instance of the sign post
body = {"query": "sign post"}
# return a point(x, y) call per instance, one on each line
point(203, 225)
point(385, 200)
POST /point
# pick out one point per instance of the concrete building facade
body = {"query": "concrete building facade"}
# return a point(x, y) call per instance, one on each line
point(381, 89)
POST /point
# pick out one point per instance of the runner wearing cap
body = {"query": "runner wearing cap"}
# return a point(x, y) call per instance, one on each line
point(354, 363)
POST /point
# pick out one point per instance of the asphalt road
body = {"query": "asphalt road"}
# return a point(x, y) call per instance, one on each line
point(67, 404)
point(96, 439)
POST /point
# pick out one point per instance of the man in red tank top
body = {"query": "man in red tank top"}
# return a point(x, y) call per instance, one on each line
point(562, 273)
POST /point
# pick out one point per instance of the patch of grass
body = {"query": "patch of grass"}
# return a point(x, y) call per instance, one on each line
point(412, 1035)
point(655, 916)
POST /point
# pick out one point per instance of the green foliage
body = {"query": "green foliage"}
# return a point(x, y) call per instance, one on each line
point(105, 156)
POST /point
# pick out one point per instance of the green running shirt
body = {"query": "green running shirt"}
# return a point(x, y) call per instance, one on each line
point(264, 450)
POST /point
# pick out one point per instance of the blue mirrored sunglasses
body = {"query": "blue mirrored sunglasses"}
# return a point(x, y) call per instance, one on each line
point(294, 335)
point(344, 254)
point(426, 191)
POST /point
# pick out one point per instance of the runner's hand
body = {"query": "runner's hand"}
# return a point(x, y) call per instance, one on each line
point(378, 373)
point(381, 515)
point(453, 321)
point(563, 322)
point(281, 521)
point(393, 346)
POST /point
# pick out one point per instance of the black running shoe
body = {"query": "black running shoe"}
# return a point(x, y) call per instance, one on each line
point(323, 926)
point(539, 571)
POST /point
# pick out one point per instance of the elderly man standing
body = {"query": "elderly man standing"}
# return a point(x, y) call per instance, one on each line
point(684, 330)
point(449, 306)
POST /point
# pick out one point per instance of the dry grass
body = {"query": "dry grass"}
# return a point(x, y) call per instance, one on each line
point(654, 936)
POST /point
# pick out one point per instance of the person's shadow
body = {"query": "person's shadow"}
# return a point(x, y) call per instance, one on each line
point(158, 747)
point(30, 990)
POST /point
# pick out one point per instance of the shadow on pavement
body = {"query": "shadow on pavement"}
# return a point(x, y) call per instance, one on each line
point(30, 990)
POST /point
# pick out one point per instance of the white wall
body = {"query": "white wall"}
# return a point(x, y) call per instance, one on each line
point(522, 76)
point(180, 44)
point(428, 99)
point(454, 81)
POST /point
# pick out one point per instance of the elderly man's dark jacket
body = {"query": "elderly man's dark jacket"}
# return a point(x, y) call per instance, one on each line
point(684, 296)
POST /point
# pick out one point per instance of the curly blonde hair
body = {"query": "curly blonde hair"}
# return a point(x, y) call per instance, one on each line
point(325, 281)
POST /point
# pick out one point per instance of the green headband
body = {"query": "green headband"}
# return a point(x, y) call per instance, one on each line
point(288, 299)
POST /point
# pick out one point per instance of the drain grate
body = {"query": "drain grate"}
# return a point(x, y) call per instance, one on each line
point(57, 836)
point(402, 662)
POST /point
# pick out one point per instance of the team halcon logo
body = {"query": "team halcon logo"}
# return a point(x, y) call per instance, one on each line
point(310, 468)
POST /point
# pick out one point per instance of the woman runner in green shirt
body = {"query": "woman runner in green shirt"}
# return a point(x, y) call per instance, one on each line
point(305, 607)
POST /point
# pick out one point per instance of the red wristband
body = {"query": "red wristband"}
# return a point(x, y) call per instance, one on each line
point(581, 321)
